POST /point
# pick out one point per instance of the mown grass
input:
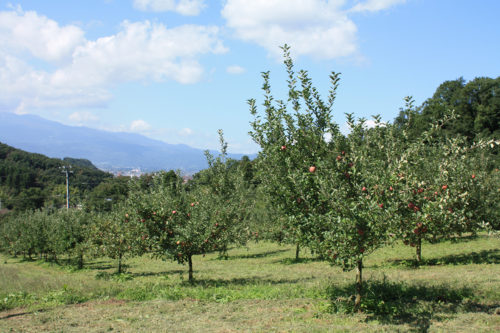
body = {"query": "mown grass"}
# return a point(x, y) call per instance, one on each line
point(260, 288)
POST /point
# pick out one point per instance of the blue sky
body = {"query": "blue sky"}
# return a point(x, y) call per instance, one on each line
point(178, 70)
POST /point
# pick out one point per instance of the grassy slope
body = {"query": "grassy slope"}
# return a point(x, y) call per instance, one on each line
point(260, 288)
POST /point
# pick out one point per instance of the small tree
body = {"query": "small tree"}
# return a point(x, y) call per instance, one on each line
point(292, 144)
point(68, 233)
point(117, 235)
point(355, 187)
point(440, 187)
point(183, 220)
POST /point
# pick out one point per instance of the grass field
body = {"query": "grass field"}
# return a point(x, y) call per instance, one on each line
point(260, 288)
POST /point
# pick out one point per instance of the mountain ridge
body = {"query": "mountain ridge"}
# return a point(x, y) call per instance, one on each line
point(106, 150)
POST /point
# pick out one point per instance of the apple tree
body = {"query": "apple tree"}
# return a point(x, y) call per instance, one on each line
point(334, 190)
point(441, 189)
point(355, 189)
point(117, 235)
point(292, 142)
point(183, 220)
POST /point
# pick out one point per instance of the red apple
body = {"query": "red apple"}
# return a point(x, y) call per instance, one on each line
point(192, 204)
point(312, 169)
point(473, 176)
point(381, 205)
point(444, 187)
point(283, 147)
point(363, 189)
point(174, 211)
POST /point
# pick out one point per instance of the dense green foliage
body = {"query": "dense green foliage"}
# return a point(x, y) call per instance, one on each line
point(476, 104)
point(32, 181)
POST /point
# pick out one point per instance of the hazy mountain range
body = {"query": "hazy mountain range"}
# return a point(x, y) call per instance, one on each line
point(106, 150)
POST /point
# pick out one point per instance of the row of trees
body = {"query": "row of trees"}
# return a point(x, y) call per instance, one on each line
point(344, 196)
point(163, 216)
point(340, 195)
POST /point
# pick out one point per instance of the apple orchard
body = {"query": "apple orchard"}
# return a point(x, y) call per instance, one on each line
point(340, 196)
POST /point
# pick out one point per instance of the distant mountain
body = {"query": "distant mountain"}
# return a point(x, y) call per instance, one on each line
point(106, 150)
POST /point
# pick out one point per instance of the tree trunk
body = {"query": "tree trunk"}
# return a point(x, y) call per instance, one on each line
point(359, 285)
point(190, 262)
point(80, 261)
point(119, 263)
point(419, 250)
point(297, 251)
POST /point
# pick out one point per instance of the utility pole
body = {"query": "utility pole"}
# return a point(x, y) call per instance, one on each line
point(67, 172)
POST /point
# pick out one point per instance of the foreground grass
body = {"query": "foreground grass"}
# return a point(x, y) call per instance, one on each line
point(260, 288)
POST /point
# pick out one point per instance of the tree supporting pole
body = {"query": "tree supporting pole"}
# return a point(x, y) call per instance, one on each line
point(190, 262)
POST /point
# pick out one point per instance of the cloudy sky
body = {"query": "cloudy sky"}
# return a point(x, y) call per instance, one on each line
point(178, 70)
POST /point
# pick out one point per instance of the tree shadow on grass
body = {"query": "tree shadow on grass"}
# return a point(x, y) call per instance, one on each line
point(99, 264)
point(164, 273)
point(255, 280)
point(293, 261)
point(482, 257)
point(253, 255)
point(402, 303)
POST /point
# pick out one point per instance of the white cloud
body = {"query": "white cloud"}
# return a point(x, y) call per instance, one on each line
point(41, 37)
point(346, 128)
point(183, 7)
point(375, 5)
point(321, 29)
point(143, 51)
point(186, 132)
point(235, 69)
point(317, 28)
point(83, 117)
point(139, 126)
point(71, 71)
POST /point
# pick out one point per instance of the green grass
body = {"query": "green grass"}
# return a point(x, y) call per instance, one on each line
point(260, 288)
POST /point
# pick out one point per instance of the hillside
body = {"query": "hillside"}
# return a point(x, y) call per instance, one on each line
point(29, 180)
point(106, 150)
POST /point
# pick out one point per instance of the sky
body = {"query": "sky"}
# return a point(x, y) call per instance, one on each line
point(179, 70)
